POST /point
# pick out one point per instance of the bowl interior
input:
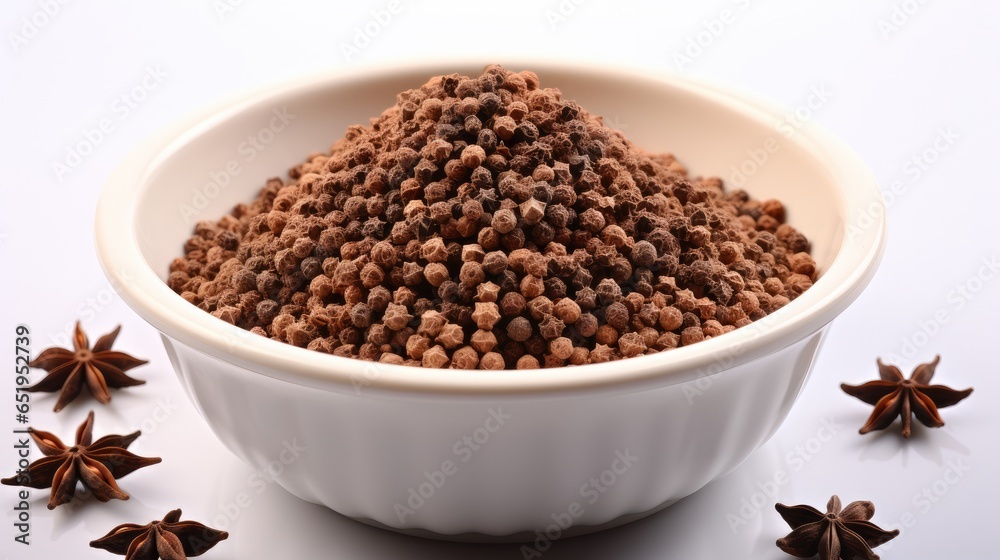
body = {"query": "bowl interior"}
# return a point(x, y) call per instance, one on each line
point(227, 159)
point(204, 166)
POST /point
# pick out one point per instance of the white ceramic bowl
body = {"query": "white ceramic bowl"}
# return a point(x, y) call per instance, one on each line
point(490, 454)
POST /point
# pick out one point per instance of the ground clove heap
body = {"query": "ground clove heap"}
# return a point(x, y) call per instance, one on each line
point(486, 222)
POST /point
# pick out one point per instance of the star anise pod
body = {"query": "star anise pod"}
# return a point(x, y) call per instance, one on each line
point(894, 395)
point(170, 539)
point(95, 464)
point(99, 367)
point(846, 534)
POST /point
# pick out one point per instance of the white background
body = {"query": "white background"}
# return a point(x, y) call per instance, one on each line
point(896, 76)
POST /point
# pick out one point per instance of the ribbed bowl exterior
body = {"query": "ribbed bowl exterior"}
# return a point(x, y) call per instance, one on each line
point(519, 463)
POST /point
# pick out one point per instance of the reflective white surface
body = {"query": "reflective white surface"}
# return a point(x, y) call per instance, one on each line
point(890, 99)
point(498, 454)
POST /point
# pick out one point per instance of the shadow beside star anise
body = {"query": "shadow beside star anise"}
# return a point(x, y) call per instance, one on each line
point(929, 443)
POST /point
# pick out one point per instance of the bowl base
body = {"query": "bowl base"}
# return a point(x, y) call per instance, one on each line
point(520, 537)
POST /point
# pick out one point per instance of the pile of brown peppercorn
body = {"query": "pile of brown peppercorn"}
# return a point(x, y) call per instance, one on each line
point(488, 223)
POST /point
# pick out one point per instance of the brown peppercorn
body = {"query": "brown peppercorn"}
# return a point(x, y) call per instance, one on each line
point(566, 310)
point(579, 356)
point(795, 284)
point(592, 220)
point(436, 274)
point(692, 335)
point(532, 286)
point(416, 345)
point(491, 360)
point(670, 319)
point(512, 304)
point(486, 315)
point(668, 340)
point(228, 314)
point(483, 341)
point(539, 307)
point(433, 250)
point(267, 310)
point(390, 358)
point(473, 252)
point(471, 274)
point(561, 347)
point(396, 316)
point(649, 336)
point(495, 262)
point(487, 292)
point(473, 156)
point(451, 336)
point(361, 315)
point(601, 353)
point(586, 325)
point(532, 211)
point(372, 275)
point(608, 291)
point(413, 274)
point(617, 316)
point(504, 221)
point(299, 334)
point(712, 328)
point(606, 334)
point(536, 264)
point(435, 357)
point(465, 357)
point(586, 298)
point(550, 327)
point(774, 209)
point(631, 344)
point(431, 323)
point(527, 361)
point(519, 329)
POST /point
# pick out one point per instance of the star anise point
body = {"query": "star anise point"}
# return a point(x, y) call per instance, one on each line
point(96, 464)
point(98, 368)
point(894, 395)
point(168, 538)
point(844, 533)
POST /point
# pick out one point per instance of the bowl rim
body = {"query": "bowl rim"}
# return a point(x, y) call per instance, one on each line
point(851, 269)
